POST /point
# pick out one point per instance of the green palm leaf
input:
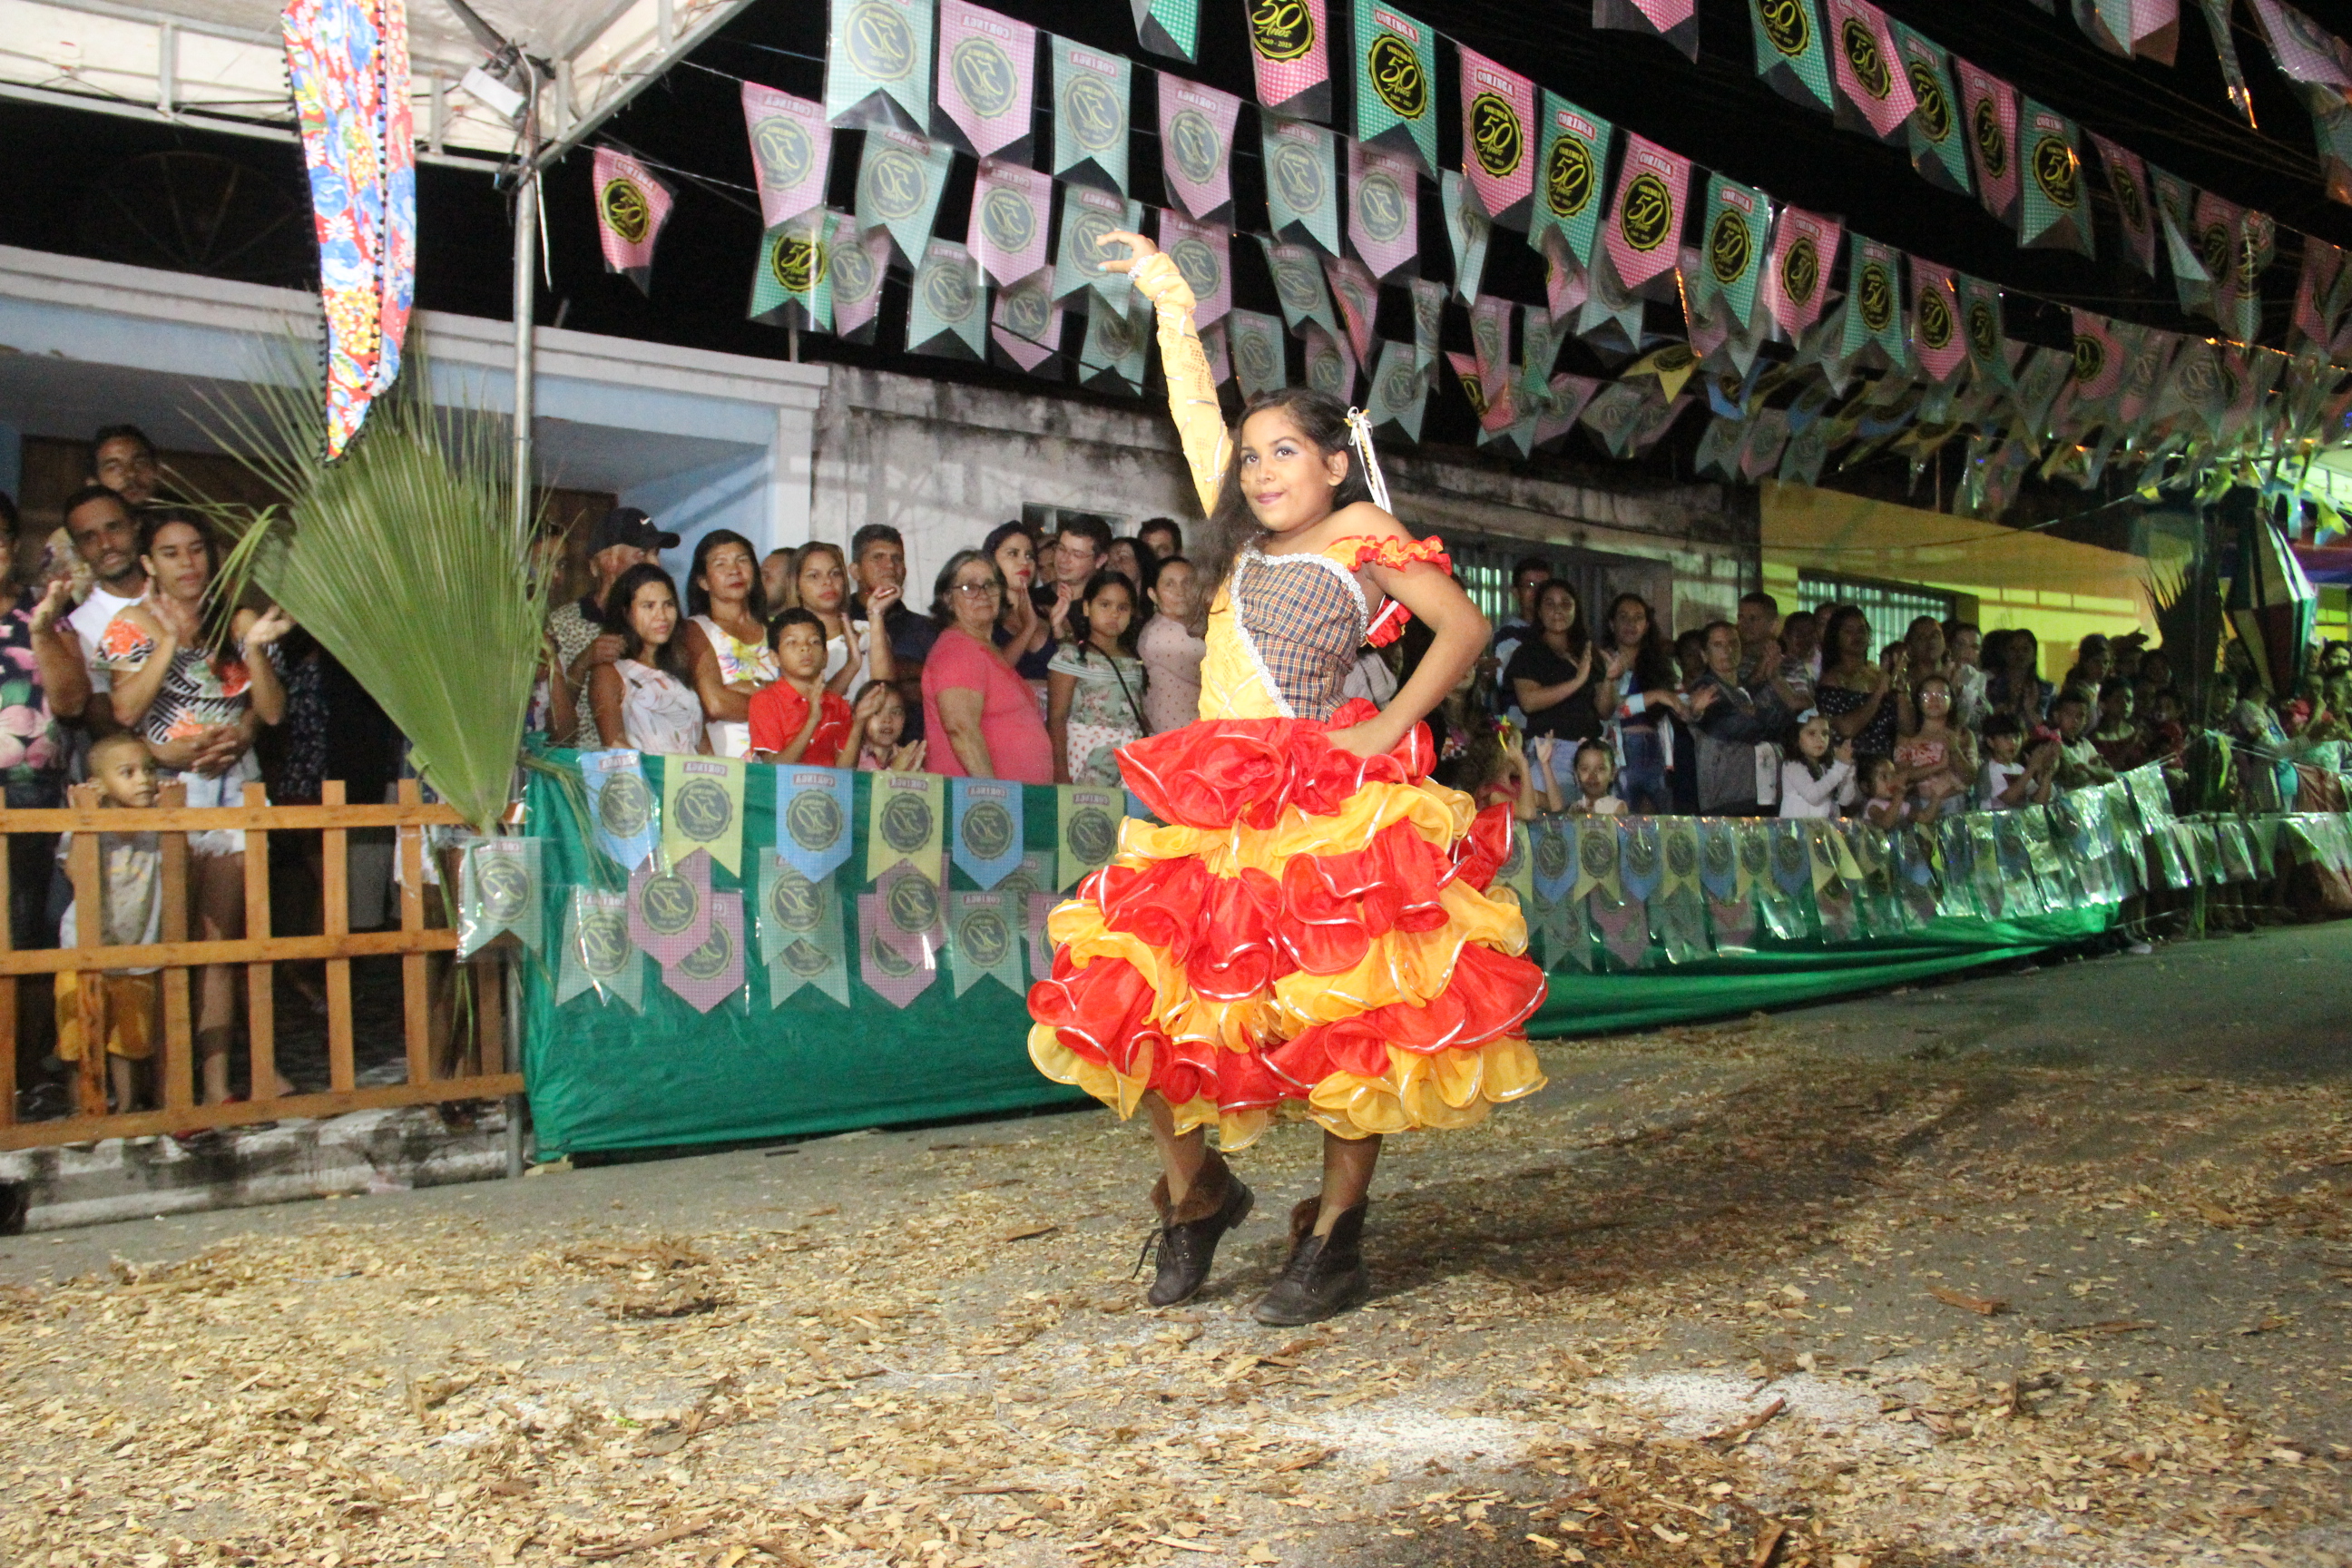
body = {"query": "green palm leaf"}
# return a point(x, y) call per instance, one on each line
point(406, 558)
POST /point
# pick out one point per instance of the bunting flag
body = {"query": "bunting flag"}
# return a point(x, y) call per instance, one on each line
point(2225, 46)
point(2144, 377)
point(597, 951)
point(800, 933)
point(1400, 393)
point(2149, 29)
point(1396, 81)
point(1867, 67)
point(713, 970)
point(1331, 364)
point(854, 263)
point(1789, 55)
point(1358, 298)
point(1086, 217)
point(984, 940)
point(1939, 143)
point(1086, 829)
point(903, 824)
point(1025, 325)
point(987, 82)
point(877, 63)
point(2237, 246)
point(1196, 141)
point(1937, 340)
point(2099, 364)
point(702, 809)
point(1467, 232)
point(1498, 134)
point(2318, 295)
point(898, 962)
point(1290, 56)
point(988, 827)
point(1490, 345)
point(1573, 162)
point(1260, 361)
point(2213, 225)
point(1428, 323)
point(1737, 218)
point(1170, 27)
point(1383, 209)
point(1011, 207)
point(1091, 94)
point(1988, 105)
point(1298, 286)
point(621, 804)
point(2054, 213)
point(631, 208)
point(1301, 178)
point(2176, 205)
point(1539, 351)
point(669, 908)
point(499, 892)
point(2306, 52)
point(1646, 220)
point(1873, 316)
point(1203, 254)
point(813, 819)
point(2331, 125)
point(1115, 344)
point(792, 285)
point(791, 149)
point(1675, 21)
point(2135, 206)
point(899, 180)
point(947, 305)
point(1796, 277)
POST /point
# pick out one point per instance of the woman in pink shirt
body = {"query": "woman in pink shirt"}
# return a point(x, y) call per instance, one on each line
point(980, 717)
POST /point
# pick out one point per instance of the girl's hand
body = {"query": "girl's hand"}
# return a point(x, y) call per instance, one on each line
point(1844, 752)
point(1704, 699)
point(909, 758)
point(1619, 661)
point(1584, 664)
point(879, 600)
point(869, 702)
point(274, 623)
point(1139, 250)
point(56, 600)
point(1364, 740)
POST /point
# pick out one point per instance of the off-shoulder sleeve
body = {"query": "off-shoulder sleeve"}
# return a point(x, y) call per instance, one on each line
point(1192, 389)
point(1359, 550)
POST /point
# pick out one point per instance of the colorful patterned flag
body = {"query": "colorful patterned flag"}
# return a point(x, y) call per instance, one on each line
point(1169, 28)
point(1789, 55)
point(1396, 81)
point(855, 262)
point(1938, 342)
point(2213, 229)
point(877, 63)
point(899, 178)
point(1467, 232)
point(1298, 286)
point(597, 951)
point(1732, 258)
point(1573, 162)
point(2149, 29)
point(631, 208)
point(2135, 207)
point(2056, 211)
point(987, 79)
point(2239, 246)
point(1988, 107)
point(1025, 325)
point(1677, 21)
point(1796, 278)
point(947, 307)
point(1498, 138)
point(1490, 345)
point(1939, 140)
point(2305, 51)
point(791, 149)
point(1086, 217)
point(1196, 144)
point(1866, 67)
point(347, 61)
point(793, 285)
point(1358, 298)
point(1011, 208)
point(1301, 178)
point(669, 907)
point(1383, 209)
point(1204, 253)
point(1090, 116)
point(1261, 363)
point(1290, 56)
point(1645, 219)
point(2225, 46)
point(1873, 300)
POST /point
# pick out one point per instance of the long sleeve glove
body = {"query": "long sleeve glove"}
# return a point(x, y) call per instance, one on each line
point(1191, 389)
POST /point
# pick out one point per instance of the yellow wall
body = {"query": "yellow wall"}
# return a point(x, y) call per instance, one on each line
point(2057, 589)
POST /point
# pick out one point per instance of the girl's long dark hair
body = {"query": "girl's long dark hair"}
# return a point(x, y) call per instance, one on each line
point(1578, 634)
point(1653, 665)
point(698, 598)
point(671, 657)
point(1082, 631)
point(1232, 526)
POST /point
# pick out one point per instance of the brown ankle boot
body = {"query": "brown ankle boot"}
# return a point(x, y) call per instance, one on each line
point(1326, 1274)
point(1189, 1232)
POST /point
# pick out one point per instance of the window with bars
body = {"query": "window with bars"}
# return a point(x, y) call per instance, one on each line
point(1890, 608)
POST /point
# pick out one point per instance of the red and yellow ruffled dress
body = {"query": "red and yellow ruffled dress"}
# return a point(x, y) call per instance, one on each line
point(1311, 934)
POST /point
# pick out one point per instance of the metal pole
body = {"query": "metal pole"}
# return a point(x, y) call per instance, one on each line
point(526, 262)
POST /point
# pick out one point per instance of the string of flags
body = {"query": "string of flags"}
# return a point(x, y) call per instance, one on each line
point(1886, 354)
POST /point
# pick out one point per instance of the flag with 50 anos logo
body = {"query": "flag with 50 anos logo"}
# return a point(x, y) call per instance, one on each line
point(1731, 257)
point(985, 939)
point(1940, 149)
point(1011, 207)
point(1090, 115)
point(597, 949)
point(987, 76)
point(1196, 146)
point(800, 932)
point(899, 178)
point(702, 809)
point(1988, 116)
point(1873, 307)
point(1645, 221)
point(1797, 273)
point(1498, 138)
point(1868, 69)
point(498, 889)
point(905, 826)
point(1939, 338)
point(1788, 53)
point(631, 208)
point(1571, 164)
point(877, 63)
point(1290, 56)
point(713, 970)
point(793, 285)
point(621, 804)
point(791, 149)
point(989, 828)
point(947, 312)
point(1396, 81)
point(2056, 210)
point(2134, 202)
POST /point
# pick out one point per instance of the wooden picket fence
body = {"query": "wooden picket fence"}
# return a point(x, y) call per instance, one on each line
point(177, 955)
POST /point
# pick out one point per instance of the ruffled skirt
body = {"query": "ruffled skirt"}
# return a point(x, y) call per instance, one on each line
point(1311, 934)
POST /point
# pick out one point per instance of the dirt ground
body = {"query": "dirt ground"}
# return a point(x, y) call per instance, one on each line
point(2040, 1268)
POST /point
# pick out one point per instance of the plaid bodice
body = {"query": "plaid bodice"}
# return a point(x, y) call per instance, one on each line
point(1284, 629)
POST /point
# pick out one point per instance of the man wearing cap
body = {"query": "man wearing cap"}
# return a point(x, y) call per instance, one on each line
point(625, 538)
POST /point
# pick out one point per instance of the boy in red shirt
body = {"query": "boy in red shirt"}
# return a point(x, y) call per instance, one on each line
point(796, 719)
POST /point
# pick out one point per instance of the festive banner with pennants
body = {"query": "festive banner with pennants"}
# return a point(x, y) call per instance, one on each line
point(1290, 56)
point(1196, 145)
point(792, 149)
point(1867, 67)
point(1572, 162)
point(1301, 184)
point(987, 82)
point(1790, 54)
point(1025, 327)
point(1383, 209)
point(1331, 364)
point(669, 908)
point(499, 892)
point(597, 951)
point(2055, 211)
point(1396, 81)
point(1202, 252)
point(1467, 232)
point(899, 180)
point(801, 941)
point(1087, 819)
point(712, 971)
point(792, 285)
point(1170, 27)
point(1988, 110)
point(1399, 391)
point(621, 804)
point(855, 265)
point(1092, 91)
point(946, 304)
point(1873, 306)
point(1012, 208)
point(1086, 217)
point(1646, 220)
point(813, 819)
point(1937, 340)
point(1498, 138)
point(702, 809)
point(1738, 217)
point(1111, 358)
point(1795, 285)
point(988, 828)
point(1261, 363)
point(1298, 286)
point(1939, 140)
point(984, 940)
point(904, 825)
point(877, 63)
point(631, 208)
point(2135, 203)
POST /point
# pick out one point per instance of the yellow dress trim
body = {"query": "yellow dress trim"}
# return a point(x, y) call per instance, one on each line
point(1440, 815)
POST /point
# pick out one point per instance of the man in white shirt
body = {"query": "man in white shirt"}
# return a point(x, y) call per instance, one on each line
point(104, 535)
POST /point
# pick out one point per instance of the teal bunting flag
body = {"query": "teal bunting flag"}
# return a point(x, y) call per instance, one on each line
point(1092, 91)
point(1940, 149)
point(1732, 258)
point(1396, 81)
point(793, 285)
point(1468, 230)
point(1873, 307)
point(988, 827)
point(900, 177)
point(621, 804)
point(877, 69)
point(597, 951)
point(985, 938)
point(2056, 211)
point(1086, 217)
point(1170, 27)
point(1788, 52)
point(947, 312)
point(1302, 184)
point(1573, 162)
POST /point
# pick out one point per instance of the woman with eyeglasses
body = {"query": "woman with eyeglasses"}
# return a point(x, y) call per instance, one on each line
point(973, 698)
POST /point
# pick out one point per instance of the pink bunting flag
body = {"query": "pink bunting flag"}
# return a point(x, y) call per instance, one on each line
point(2135, 199)
point(1196, 145)
point(1358, 298)
point(1204, 253)
point(1026, 326)
point(1498, 138)
point(1011, 207)
point(1646, 220)
point(713, 970)
point(2316, 297)
point(1675, 21)
point(792, 151)
point(1290, 56)
point(669, 908)
point(1989, 107)
point(1937, 339)
point(1867, 66)
point(2305, 51)
point(988, 77)
point(2099, 359)
point(1384, 209)
point(631, 208)
point(1796, 277)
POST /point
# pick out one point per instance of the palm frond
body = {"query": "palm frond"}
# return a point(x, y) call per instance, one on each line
point(405, 558)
